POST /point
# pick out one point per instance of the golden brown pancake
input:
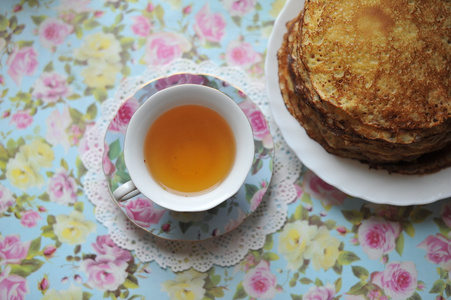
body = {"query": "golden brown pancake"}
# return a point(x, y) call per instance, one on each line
point(370, 80)
point(386, 63)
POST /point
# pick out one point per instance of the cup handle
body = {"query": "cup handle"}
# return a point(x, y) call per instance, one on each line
point(126, 191)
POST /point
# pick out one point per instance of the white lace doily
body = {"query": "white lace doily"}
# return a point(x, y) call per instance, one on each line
point(225, 250)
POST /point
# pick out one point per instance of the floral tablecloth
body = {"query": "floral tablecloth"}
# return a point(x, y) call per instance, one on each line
point(61, 60)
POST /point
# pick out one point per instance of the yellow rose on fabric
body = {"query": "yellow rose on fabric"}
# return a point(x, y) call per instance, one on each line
point(2, 44)
point(39, 154)
point(266, 31)
point(23, 170)
point(100, 74)
point(21, 173)
point(99, 46)
point(73, 229)
point(188, 285)
point(294, 240)
point(323, 251)
point(175, 4)
point(73, 293)
point(277, 8)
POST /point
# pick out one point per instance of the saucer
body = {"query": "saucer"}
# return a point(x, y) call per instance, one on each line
point(200, 225)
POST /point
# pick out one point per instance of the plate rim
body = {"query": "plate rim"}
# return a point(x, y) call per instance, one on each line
point(342, 173)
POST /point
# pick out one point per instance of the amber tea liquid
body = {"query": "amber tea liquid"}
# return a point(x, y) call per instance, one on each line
point(189, 149)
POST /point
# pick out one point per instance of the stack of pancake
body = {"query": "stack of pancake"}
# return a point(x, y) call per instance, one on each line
point(370, 80)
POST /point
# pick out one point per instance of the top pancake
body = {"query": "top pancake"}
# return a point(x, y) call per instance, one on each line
point(385, 63)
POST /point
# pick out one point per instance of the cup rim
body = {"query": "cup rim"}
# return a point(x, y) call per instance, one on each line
point(210, 198)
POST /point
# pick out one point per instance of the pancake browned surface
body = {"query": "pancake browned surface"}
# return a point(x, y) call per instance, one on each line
point(370, 80)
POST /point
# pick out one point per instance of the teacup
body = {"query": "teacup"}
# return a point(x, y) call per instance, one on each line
point(187, 148)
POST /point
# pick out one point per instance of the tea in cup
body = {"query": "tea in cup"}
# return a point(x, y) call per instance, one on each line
point(187, 148)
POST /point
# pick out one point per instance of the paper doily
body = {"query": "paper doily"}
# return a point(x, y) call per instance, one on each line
point(225, 250)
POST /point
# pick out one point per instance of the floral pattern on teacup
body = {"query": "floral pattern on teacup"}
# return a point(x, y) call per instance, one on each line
point(218, 220)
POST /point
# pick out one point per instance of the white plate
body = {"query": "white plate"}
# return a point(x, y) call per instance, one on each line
point(350, 176)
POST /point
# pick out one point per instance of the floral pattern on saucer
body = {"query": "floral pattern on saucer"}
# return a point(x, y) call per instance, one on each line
point(201, 225)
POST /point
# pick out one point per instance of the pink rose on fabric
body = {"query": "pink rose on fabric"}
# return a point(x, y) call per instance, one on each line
point(105, 275)
point(44, 284)
point(83, 146)
point(164, 47)
point(241, 54)
point(321, 190)
point(398, 280)
point(22, 119)
point(209, 26)
point(49, 251)
point(29, 218)
point(259, 282)
point(187, 9)
point(50, 87)
point(141, 26)
point(62, 188)
point(17, 8)
point(248, 262)
point(388, 212)
point(22, 62)
point(12, 249)
point(108, 251)
point(142, 211)
point(438, 249)
point(52, 32)
point(75, 134)
point(57, 124)
point(177, 79)
point(77, 6)
point(12, 287)
point(446, 213)
point(6, 199)
point(326, 292)
point(123, 116)
point(299, 191)
point(239, 7)
point(376, 295)
point(108, 166)
point(377, 236)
